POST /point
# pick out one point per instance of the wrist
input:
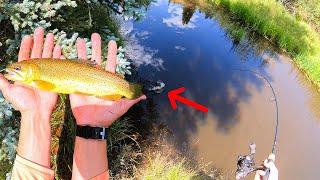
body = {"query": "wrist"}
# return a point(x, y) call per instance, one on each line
point(36, 117)
point(90, 158)
point(89, 132)
point(91, 123)
point(35, 138)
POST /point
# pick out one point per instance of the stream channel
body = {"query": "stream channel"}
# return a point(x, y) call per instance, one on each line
point(187, 46)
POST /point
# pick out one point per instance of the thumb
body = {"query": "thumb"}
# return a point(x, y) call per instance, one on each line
point(130, 103)
point(4, 84)
point(270, 161)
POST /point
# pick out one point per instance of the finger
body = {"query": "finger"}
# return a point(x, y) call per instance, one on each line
point(4, 85)
point(270, 165)
point(81, 48)
point(130, 103)
point(48, 46)
point(273, 172)
point(112, 57)
point(37, 43)
point(96, 48)
point(143, 97)
point(272, 157)
point(261, 173)
point(257, 176)
point(25, 48)
point(57, 51)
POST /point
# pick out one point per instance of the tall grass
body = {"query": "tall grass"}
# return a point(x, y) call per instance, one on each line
point(168, 166)
point(164, 168)
point(308, 10)
point(270, 19)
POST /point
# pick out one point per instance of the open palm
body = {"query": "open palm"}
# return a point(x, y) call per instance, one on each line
point(26, 98)
point(89, 110)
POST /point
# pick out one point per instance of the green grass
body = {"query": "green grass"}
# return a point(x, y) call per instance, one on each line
point(169, 165)
point(162, 167)
point(236, 32)
point(270, 19)
point(307, 10)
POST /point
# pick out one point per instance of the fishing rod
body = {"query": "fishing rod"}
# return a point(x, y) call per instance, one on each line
point(245, 163)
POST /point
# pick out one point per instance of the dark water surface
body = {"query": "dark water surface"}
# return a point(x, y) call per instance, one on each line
point(184, 47)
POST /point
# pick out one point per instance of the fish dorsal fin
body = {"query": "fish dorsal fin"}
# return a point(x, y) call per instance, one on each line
point(87, 62)
point(120, 76)
point(44, 85)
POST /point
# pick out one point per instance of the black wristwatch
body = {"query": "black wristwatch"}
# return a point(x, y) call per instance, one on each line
point(88, 132)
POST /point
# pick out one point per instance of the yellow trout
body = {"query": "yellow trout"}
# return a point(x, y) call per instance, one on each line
point(68, 76)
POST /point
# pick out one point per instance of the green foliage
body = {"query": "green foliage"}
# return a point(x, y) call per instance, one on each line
point(8, 136)
point(123, 66)
point(237, 32)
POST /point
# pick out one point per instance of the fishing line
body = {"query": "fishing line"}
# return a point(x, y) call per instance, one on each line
point(246, 162)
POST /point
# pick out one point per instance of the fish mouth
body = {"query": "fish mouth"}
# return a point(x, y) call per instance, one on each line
point(12, 75)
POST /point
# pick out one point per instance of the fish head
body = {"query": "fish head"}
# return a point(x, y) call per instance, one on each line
point(21, 71)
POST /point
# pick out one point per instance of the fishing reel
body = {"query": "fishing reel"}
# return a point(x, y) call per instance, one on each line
point(245, 163)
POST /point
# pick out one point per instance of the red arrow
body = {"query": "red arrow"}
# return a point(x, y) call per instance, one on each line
point(174, 96)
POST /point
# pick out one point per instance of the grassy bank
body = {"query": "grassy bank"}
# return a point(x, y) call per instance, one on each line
point(165, 165)
point(306, 10)
point(270, 19)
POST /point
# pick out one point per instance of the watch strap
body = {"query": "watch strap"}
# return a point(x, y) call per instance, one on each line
point(88, 132)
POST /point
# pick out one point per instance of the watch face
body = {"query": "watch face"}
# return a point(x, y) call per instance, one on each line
point(87, 132)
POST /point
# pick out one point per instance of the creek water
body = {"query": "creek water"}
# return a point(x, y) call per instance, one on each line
point(188, 46)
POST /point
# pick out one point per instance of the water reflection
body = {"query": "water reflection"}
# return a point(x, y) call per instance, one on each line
point(139, 54)
point(198, 53)
point(187, 14)
point(179, 20)
point(180, 48)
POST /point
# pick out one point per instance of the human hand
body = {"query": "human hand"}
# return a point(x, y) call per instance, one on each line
point(271, 166)
point(34, 104)
point(89, 110)
point(27, 99)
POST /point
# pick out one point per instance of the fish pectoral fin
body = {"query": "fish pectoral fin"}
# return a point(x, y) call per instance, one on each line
point(112, 97)
point(44, 85)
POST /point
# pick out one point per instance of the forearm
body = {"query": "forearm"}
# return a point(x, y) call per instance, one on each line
point(35, 139)
point(90, 158)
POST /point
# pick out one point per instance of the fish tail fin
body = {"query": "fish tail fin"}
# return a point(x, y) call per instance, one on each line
point(136, 90)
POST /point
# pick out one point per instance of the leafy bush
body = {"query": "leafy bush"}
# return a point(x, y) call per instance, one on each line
point(8, 136)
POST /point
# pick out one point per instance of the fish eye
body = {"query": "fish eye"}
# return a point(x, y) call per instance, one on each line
point(17, 68)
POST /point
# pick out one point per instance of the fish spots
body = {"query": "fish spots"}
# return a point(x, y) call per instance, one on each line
point(70, 76)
